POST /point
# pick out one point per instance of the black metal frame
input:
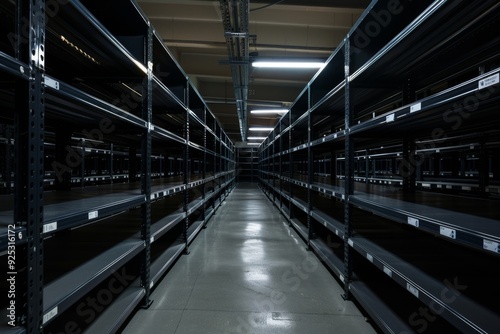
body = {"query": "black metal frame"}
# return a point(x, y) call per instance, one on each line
point(47, 100)
point(413, 118)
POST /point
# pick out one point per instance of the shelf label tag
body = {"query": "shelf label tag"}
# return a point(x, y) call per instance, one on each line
point(93, 214)
point(413, 290)
point(413, 221)
point(416, 107)
point(387, 271)
point(489, 81)
point(52, 83)
point(342, 278)
point(389, 118)
point(491, 246)
point(50, 227)
point(447, 232)
point(325, 223)
point(350, 242)
point(151, 284)
point(369, 257)
point(152, 239)
point(49, 315)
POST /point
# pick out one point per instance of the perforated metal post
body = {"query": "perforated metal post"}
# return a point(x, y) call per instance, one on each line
point(147, 115)
point(204, 169)
point(310, 172)
point(408, 167)
point(29, 159)
point(186, 171)
point(349, 176)
point(9, 157)
point(110, 164)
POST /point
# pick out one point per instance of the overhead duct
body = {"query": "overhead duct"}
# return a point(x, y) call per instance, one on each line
point(235, 20)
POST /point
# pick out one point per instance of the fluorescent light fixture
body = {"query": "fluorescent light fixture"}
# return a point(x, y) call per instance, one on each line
point(269, 111)
point(260, 129)
point(287, 64)
point(256, 138)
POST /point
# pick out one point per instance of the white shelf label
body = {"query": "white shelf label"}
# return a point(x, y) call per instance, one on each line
point(466, 188)
point(50, 227)
point(350, 242)
point(151, 284)
point(491, 246)
point(342, 278)
point(325, 223)
point(426, 185)
point(49, 315)
point(413, 221)
point(369, 257)
point(52, 83)
point(489, 81)
point(413, 290)
point(335, 136)
point(152, 239)
point(415, 107)
point(447, 232)
point(153, 196)
point(389, 118)
point(93, 214)
point(337, 232)
point(387, 271)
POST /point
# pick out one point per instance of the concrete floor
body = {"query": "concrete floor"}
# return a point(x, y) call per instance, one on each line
point(248, 272)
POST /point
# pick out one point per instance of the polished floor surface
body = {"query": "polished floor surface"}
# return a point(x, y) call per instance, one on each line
point(248, 272)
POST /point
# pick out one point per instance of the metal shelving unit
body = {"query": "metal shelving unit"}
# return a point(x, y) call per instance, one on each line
point(247, 160)
point(111, 163)
point(387, 165)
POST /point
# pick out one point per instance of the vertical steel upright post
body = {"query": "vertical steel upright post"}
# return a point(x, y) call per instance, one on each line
point(367, 166)
point(186, 171)
point(82, 164)
point(147, 115)
point(408, 167)
point(9, 158)
point(110, 166)
point(280, 164)
point(204, 167)
point(29, 160)
point(214, 164)
point(310, 171)
point(292, 171)
point(349, 173)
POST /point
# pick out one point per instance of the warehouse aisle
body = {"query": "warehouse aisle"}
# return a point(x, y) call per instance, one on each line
point(248, 272)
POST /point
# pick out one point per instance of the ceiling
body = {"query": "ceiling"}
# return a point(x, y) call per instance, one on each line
point(194, 32)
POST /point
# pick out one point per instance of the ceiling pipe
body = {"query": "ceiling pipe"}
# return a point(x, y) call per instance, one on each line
point(235, 20)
